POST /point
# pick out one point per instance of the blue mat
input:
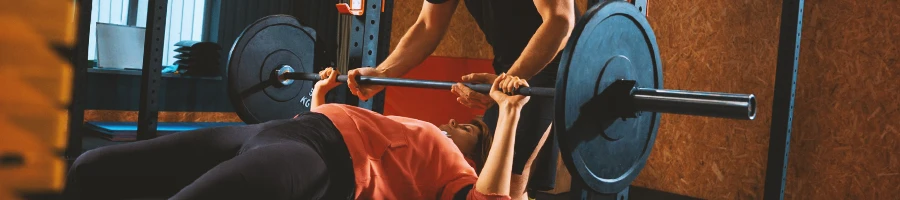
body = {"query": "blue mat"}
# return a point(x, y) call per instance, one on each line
point(127, 131)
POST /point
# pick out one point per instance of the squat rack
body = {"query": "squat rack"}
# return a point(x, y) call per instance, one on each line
point(379, 14)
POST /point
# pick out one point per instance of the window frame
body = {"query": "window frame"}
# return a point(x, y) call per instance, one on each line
point(209, 15)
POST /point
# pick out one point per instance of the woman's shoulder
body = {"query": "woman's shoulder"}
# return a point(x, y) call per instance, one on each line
point(332, 106)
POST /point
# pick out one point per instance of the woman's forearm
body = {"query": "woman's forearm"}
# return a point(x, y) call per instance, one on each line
point(318, 98)
point(497, 170)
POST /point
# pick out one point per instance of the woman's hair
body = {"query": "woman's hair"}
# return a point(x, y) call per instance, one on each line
point(483, 145)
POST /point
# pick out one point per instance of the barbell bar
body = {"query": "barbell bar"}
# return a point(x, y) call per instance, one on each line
point(710, 104)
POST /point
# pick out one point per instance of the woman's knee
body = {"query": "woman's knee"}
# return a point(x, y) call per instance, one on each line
point(89, 158)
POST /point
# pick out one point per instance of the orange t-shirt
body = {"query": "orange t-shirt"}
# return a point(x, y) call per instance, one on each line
point(401, 158)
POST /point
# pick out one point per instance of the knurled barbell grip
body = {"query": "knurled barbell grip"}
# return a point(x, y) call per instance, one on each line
point(482, 88)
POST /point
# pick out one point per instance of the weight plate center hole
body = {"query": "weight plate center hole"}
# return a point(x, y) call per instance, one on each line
point(281, 71)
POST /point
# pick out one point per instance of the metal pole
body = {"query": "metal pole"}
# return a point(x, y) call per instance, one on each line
point(79, 61)
point(148, 110)
point(131, 20)
point(783, 99)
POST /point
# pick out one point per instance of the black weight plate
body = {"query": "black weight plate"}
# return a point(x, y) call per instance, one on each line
point(262, 48)
point(183, 50)
point(213, 64)
point(182, 56)
point(611, 41)
point(201, 55)
point(199, 60)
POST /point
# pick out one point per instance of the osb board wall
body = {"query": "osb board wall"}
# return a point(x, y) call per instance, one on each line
point(722, 46)
point(846, 115)
point(463, 39)
point(847, 138)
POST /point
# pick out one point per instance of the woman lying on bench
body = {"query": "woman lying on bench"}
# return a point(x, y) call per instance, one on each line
point(334, 152)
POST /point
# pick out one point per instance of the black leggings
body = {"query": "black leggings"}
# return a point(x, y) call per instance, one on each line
point(303, 158)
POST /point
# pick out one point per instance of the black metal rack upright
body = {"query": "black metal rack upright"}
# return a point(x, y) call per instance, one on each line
point(148, 111)
point(79, 76)
point(783, 101)
point(368, 32)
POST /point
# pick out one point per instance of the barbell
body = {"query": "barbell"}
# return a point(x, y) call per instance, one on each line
point(608, 95)
point(710, 104)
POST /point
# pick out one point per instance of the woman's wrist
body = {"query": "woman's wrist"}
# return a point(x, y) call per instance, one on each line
point(319, 90)
point(510, 108)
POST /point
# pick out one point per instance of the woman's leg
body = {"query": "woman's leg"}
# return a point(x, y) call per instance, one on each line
point(277, 169)
point(153, 168)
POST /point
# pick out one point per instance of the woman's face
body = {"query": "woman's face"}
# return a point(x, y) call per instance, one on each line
point(465, 136)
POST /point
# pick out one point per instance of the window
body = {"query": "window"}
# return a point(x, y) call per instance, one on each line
point(184, 21)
